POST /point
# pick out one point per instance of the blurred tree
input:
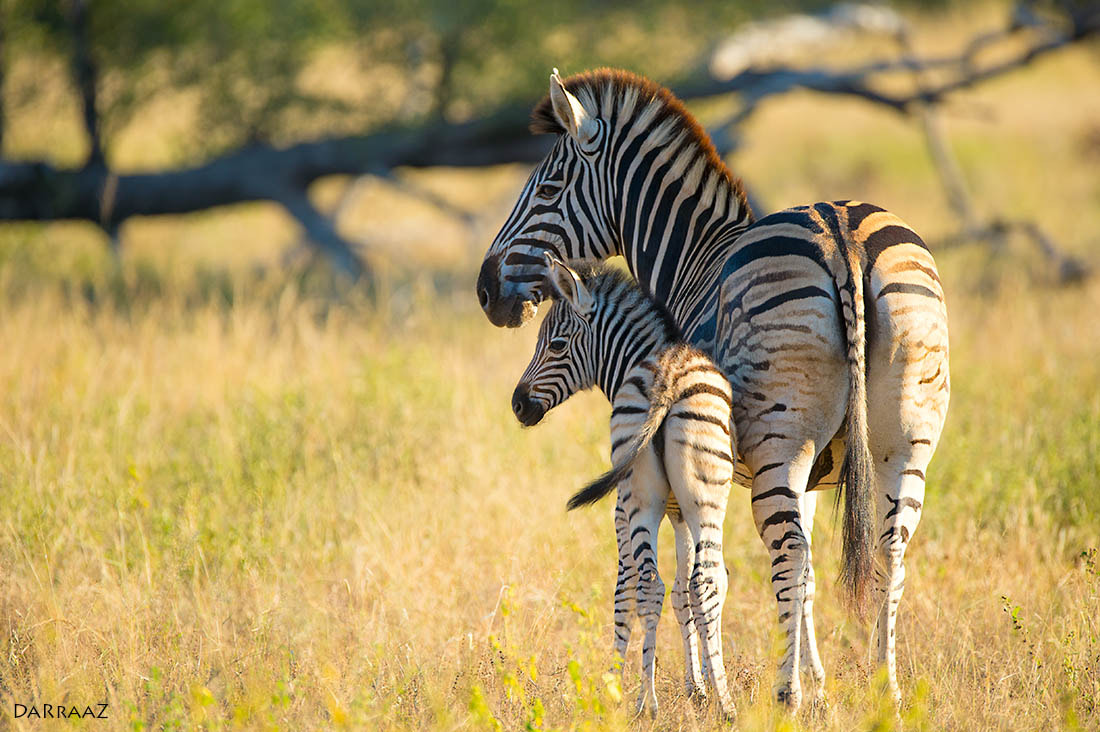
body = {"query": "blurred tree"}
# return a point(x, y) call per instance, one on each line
point(434, 82)
point(246, 57)
point(421, 62)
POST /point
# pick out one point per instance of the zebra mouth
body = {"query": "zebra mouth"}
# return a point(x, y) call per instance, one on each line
point(528, 411)
point(511, 312)
point(503, 311)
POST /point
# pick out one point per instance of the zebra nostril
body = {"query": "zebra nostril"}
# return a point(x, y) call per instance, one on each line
point(517, 407)
point(483, 296)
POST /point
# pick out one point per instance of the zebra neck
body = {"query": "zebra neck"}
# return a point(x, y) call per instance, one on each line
point(623, 344)
point(677, 231)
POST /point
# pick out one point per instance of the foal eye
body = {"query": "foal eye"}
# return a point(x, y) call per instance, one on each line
point(558, 345)
point(547, 190)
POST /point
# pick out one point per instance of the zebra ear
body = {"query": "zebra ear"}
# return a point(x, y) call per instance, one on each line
point(571, 113)
point(568, 286)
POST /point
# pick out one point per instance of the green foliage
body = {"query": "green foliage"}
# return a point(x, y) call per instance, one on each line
point(247, 60)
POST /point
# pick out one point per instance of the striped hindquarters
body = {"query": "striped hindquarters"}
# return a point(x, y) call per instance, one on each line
point(692, 398)
point(908, 370)
point(780, 327)
point(781, 315)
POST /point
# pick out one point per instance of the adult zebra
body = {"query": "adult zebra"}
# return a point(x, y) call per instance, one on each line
point(826, 309)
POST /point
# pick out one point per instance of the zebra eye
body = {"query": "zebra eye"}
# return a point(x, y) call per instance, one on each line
point(558, 345)
point(547, 190)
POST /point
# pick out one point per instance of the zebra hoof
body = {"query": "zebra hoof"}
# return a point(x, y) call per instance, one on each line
point(819, 706)
point(697, 693)
point(789, 697)
point(646, 702)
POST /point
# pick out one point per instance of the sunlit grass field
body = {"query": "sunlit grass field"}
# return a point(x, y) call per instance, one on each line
point(237, 496)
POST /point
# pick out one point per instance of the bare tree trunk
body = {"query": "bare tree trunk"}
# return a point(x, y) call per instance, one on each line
point(4, 20)
point(86, 76)
point(939, 149)
point(450, 46)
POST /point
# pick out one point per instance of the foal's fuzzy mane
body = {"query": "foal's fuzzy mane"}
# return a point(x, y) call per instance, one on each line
point(603, 83)
point(606, 282)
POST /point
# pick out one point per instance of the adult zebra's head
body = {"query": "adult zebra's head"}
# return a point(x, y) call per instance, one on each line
point(560, 210)
point(564, 358)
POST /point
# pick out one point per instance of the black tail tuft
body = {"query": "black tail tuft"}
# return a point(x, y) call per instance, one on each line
point(599, 488)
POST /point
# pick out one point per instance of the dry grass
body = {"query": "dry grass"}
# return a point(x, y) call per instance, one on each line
point(231, 501)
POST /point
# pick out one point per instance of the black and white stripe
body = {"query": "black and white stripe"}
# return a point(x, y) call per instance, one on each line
point(828, 320)
point(671, 450)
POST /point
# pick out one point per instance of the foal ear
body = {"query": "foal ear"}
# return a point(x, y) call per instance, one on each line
point(572, 115)
point(568, 286)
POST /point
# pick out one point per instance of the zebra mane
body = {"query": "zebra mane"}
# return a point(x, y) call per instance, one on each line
point(609, 283)
point(605, 84)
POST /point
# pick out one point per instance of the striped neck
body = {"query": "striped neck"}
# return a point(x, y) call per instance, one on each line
point(676, 229)
point(627, 327)
point(672, 203)
point(659, 193)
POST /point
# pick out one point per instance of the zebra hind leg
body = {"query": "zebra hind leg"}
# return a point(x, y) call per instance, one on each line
point(700, 481)
point(901, 497)
point(645, 496)
point(626, 584)
point(809, 658)
point(695, 668)
point(777, 512)
point(709, 584)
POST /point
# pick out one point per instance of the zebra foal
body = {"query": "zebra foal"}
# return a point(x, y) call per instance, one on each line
point(671, 451)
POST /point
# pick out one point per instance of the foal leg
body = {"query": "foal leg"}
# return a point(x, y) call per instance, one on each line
point(700, 469)
point(645, 508)
point(709, 584)
point(625, 584)
point(681, 606)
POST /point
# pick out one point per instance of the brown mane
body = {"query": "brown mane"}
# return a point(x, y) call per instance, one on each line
point(601, 82)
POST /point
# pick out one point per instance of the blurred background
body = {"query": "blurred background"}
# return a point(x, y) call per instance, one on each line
point(383, 133)
point(257, 461)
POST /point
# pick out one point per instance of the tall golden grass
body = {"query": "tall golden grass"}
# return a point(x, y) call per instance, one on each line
point(232, 500)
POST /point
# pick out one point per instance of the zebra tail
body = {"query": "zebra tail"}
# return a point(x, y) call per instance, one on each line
point(660, 402)
point(857, 472)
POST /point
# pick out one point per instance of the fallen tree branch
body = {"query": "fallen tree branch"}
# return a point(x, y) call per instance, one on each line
point(755, 85)
point(41, 192)
point(1068, 269)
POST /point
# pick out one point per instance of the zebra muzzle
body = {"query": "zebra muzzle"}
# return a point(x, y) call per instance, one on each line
point(528, 411)
point(503, 310)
